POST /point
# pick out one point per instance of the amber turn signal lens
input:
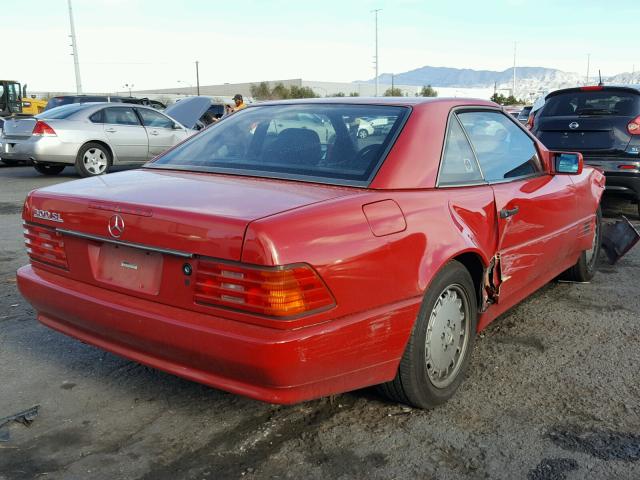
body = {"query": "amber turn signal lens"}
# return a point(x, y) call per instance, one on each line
point(274, 292)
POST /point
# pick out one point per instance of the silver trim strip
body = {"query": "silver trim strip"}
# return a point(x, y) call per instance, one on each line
point(97, 238)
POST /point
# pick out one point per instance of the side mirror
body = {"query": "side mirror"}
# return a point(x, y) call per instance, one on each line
point(567, 163)
point(177, 127)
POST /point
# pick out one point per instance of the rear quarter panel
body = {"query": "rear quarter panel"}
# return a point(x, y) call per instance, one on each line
point(365, 271)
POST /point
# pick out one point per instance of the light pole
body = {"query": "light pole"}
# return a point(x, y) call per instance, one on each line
point(74, 47)
point(588, 65)
point(198, 77)
point(375, 12)
point(515, 44)
point(129, 86)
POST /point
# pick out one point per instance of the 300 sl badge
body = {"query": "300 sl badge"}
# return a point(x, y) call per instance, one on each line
point(47, 215)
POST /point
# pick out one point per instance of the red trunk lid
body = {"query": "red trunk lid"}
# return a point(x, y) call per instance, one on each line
point(196, 213)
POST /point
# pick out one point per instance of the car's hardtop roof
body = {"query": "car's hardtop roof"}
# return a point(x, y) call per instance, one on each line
point(391, 101)
point(635, 89)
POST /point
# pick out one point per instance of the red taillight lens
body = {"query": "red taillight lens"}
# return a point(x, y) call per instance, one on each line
point(592, 88)
point(45, 245)
point(634, 126)
point(530, 120)
point(43, 129)
point(627, 167)
point(274, 292)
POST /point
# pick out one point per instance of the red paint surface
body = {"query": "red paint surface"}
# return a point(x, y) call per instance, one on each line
point(376, 250)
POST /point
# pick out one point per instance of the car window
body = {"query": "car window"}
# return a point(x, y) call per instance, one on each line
point(459, 164)
point(592, 103)
point(154, 119)
point(502, 148)
point(64, 111)
point(120, 116)
point(315, 142)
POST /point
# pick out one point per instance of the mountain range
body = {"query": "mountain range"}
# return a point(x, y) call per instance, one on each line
point(528, 78)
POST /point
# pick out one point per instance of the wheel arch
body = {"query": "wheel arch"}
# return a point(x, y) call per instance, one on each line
point(104, 144)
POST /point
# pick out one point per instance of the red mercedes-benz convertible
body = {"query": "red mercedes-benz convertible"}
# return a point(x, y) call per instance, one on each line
point(284, 255)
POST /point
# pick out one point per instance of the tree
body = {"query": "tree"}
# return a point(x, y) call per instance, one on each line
point(502, 100)
point(279, 91)
point(301, 92)
point(393, 92)
point(338, 94)
point(354, 94)
point(428, 91)
point(261, 91)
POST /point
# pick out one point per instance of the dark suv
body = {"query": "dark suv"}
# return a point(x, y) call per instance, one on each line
point(601, 122)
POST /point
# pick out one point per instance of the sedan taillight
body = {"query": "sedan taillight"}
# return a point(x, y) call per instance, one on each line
point(634, 126)
point(42, 129)
point(274, 292)
point(45, 245)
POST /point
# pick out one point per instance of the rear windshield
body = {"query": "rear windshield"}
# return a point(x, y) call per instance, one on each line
point(338, 144)
point(603, 102)
point(64, 111)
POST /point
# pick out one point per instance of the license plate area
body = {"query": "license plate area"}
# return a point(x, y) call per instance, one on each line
point(126, 267)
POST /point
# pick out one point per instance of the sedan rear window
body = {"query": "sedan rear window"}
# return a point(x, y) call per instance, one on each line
point(64, 111)
point(339, 144)
point(603, 102)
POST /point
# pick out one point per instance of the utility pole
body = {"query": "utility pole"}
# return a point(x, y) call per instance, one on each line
point(588, 65)
point(74, 46)
point(514, 68)
point(375, 12)
point(197, 77)
point(392, 85)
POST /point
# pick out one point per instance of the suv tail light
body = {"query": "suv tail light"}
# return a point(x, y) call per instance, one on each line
point(45, 245)
point(530, 121)
point(43, 129)
point(634, 126)
point(279, 292)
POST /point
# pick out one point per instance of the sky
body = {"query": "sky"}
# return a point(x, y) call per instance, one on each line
point(154, 43)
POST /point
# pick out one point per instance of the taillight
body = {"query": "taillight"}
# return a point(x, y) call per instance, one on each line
point(592, 88)
point(275, 292)
point(634, 126)
point(45, 245)
point(628, 167)
point(43, 129)
point(530, 120)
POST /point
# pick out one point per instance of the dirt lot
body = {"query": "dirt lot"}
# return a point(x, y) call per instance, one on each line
point(553, 393)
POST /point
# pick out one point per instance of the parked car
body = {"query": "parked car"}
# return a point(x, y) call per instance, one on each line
point(69, 99)
point(523, 115)
point(95, 136)
point(276, 267)
point(601, 122)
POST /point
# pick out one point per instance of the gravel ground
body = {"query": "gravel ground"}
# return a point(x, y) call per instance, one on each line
point(553, 393)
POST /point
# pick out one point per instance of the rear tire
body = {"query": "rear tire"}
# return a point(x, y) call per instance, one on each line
point(49, 169)
point(362, 134)
point(585, 267)
point(439, 349)
point(93, 159)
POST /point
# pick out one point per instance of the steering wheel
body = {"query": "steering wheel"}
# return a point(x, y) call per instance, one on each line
point(366, 152)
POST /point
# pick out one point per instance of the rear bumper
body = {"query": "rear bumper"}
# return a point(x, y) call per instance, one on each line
point(618, 180)
point(40, 149)
point(277, 366)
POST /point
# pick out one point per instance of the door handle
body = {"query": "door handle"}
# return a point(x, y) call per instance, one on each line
point(110, 130)
point(505, 212)
point(154, 132)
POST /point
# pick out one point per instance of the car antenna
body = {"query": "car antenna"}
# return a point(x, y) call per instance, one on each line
point(600, 84)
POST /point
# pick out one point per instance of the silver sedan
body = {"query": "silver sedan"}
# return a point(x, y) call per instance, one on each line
point(91, 136)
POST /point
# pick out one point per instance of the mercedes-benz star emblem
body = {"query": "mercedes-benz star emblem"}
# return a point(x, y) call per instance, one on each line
point(574, 125)
point(116, 226)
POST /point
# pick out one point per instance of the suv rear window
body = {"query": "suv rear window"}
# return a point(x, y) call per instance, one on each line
point(314, 142)
point(602, 102)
